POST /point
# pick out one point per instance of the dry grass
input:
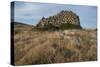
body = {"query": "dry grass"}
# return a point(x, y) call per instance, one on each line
point(51, 47)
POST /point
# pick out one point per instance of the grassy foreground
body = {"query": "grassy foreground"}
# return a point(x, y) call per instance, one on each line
point(37, 47)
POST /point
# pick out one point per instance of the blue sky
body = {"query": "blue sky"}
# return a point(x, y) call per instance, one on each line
point(31, 13)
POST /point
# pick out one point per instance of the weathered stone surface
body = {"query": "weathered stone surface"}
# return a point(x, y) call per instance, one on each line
point(62, 20)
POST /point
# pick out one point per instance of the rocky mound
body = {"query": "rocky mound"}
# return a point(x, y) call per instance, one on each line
point(62, 20)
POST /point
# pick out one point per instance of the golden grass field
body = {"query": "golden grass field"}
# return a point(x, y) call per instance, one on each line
point(45, 47)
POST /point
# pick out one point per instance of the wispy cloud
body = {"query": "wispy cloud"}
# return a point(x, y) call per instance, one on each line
point(31, 13)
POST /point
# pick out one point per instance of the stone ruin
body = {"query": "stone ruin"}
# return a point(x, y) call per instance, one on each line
point(62, 20)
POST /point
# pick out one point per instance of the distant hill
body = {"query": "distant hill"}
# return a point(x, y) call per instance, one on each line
point(62, 20)
point(19, 24)
point(19, 27)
